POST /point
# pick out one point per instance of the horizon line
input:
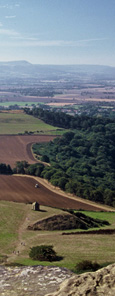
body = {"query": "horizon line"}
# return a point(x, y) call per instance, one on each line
point(53, 64)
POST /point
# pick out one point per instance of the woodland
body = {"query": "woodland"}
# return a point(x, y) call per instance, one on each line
point(82, 161)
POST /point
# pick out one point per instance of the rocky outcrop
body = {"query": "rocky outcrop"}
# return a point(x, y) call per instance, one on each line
point(31, 280)
point(101, 282)
point(55, 281)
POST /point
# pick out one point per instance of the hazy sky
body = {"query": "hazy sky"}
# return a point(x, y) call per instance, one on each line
point(58, 31)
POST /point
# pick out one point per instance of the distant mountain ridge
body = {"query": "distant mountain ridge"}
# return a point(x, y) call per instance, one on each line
point(19, 68)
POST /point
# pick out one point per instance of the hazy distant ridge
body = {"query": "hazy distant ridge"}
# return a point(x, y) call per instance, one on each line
point(20, 68)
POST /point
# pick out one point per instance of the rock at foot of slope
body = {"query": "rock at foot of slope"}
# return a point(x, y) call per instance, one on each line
point(99, 283)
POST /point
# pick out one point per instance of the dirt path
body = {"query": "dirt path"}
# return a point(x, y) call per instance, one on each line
point(21, 243)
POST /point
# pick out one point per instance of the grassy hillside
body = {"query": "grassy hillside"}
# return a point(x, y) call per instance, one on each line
point(11, 217)
point(14, 219)
point(14, 123)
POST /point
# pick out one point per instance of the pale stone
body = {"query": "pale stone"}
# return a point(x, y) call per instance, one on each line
point(41, 280)
point(99, 283)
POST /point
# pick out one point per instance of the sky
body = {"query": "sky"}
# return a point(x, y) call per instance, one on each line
point(58, 31)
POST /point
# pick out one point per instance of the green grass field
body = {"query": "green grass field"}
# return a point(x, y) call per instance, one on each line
point(14, 219)
point(11, 216)
point(11, 123)
point(104, 216)
point(21, 104)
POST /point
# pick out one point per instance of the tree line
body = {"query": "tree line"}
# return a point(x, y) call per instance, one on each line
point(82, 161)
point(63, 120)
point(5, 169)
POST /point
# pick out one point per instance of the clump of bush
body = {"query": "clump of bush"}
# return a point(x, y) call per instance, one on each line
point(87, 265)
point(43, 253)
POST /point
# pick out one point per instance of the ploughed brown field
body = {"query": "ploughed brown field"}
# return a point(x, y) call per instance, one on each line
point(22, 189)
point(18, 148)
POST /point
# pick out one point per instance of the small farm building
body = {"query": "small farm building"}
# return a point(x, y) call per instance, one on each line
point(35, 206)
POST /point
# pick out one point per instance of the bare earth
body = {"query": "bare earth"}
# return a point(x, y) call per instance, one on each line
point(22, 189)
point(18, 148)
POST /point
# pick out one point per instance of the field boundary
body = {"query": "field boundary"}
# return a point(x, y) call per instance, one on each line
point(100, 231)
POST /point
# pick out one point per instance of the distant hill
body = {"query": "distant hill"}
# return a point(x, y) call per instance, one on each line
point(25, 69)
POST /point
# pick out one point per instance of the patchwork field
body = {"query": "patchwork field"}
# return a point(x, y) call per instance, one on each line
point(16, 194)
point(17, 148)
point(16, 188)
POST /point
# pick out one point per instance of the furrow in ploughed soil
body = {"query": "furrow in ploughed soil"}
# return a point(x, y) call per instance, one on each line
point(18, 148)
point(22, 189)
